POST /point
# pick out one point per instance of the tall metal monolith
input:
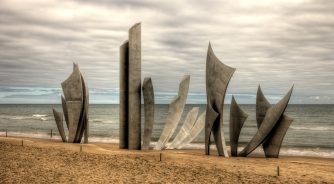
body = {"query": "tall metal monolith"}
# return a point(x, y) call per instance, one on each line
point(134, 96)
point(130, 90)
point(123, 95)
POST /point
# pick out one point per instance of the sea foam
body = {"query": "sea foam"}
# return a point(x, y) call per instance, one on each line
point(319, 128)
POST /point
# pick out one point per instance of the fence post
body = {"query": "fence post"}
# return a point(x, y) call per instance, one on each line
point(160, 157)
point(51, 133)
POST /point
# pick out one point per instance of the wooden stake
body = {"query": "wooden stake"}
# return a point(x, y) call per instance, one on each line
point(51, 134)
point(277, 170)
point(160, 157)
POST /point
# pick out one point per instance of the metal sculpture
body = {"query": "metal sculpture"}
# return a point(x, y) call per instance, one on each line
point(85, 127)
point(148, 94)
point(262, 106)
point(130, 90)
point(194, 132)
point(123, 95)
point(75, 107)
point(272, 144)
point(174, 113)
point(272, 116)
point(237, 119)
point(59, 121)
point(63, 102)
point(188, 124)
point(218, 76)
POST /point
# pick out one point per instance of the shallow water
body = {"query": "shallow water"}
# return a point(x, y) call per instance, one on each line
point(311, 133)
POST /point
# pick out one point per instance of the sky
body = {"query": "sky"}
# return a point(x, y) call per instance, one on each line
point(274, 43)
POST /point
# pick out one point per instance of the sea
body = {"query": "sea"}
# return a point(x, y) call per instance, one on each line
point(310, 134)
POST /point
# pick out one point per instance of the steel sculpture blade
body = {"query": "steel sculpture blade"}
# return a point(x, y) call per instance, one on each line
point(194, 132)
point(210, 119)
point(262, 106)
point(72, 86)
point(270, 120)
point(218, 76)
point(83, 121)
point(63, 102)
point(188, 124)
point(74, 111)
point(237, 119)
point(174, 113)
point(148, 94)
point(86, 105)
point(59, 121)
point(272, 144)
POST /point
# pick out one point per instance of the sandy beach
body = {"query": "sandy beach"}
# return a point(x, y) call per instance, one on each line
point(51, 161)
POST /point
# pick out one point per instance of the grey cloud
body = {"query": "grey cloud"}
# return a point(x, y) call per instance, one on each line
point(274, 45)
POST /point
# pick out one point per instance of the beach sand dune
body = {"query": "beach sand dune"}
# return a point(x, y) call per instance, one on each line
point(50, 161)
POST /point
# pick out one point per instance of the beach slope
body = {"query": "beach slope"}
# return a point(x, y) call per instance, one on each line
point(50, 161)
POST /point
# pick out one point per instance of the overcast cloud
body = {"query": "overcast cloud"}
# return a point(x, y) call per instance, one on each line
point(275, 43)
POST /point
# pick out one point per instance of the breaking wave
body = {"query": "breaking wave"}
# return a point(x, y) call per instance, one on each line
point(42, 117)
point(39, 115)
point(319, 128)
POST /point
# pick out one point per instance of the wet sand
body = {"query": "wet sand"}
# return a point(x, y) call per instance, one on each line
point(51, 161)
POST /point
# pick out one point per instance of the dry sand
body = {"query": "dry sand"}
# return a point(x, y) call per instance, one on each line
point(50, 161)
